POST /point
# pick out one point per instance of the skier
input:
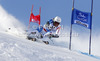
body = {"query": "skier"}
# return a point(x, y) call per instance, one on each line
point(50, 29)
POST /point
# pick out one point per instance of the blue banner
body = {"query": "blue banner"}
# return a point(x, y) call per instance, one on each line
point(81, 18)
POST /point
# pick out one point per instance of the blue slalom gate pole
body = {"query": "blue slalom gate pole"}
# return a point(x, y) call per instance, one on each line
point(91, 28)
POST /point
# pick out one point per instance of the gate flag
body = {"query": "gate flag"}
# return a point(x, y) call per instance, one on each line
point(81, 18)
point(35, 19)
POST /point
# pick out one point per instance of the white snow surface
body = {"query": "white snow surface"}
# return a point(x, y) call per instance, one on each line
point(14, 48)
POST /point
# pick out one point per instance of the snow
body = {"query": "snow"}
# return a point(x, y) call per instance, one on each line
point(15, 47)
point(9, 23)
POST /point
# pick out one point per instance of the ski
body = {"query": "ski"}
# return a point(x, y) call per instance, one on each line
point(37, 40)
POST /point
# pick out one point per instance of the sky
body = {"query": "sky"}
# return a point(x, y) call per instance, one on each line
point(21, 9)
point(50, 8)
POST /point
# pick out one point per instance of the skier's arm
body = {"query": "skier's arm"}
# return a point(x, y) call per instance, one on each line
point(48, 23)
point(51, 35)
point(58, 30)
point(56, 35)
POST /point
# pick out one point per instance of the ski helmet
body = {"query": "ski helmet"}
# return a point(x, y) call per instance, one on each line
point(57, 19)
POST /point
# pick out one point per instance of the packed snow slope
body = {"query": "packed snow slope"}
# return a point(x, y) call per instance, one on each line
point(14, 48)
